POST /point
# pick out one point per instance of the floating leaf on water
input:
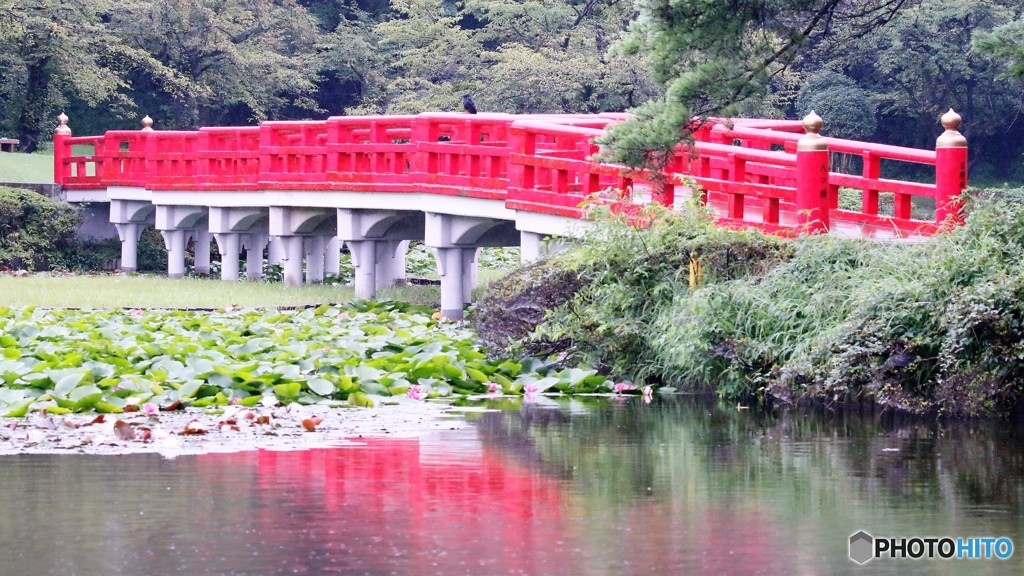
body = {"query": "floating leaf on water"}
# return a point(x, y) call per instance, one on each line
point(189, 389)
point(124, 430)
point(249, 400)
point(19, 411)
point(360, 399)
point(320, 386)
point(310, 424)
point(67, 383)
point(108, 408)
point(476, 375)
point(288, 391)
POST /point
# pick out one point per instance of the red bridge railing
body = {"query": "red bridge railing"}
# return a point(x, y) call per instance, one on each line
point(777, 175)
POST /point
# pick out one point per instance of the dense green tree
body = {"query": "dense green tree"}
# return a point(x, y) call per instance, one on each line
point(352, 68)
point(835, 96)
point(1005, 42)
point(714, 56)
point(239, 60)
point(922, 63)
point(53, 53)
point(553, 56)
point(432, 59)
point(517, 57)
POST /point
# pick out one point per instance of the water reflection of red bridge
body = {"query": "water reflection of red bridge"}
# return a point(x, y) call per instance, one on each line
point(407, 506)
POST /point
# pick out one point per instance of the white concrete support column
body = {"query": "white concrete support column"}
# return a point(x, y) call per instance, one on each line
point(332, 263)
point(316, 245)
point(228, 244)
point(449, 265)
point(401, 251)
point(174, 241)
point(292, 259)
point(201, 238)
point(387, 263)
point(254, 246)
point(529, 246)
point(469, 273)
point(275, 251)
point(129, 233)
point(364, 260)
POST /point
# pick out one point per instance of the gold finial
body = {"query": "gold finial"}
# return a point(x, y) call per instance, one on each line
point(812, 140)
point(62, 128)
point(147, 124)
point(951, 138)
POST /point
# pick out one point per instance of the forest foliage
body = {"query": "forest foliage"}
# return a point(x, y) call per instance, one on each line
point(875, 69)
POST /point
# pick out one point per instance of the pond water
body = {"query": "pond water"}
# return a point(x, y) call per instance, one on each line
point(683, 485)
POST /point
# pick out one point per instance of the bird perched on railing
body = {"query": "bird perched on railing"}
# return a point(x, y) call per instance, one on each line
point(467, 104)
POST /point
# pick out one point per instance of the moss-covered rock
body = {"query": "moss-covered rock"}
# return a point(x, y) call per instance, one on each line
point(515, 305)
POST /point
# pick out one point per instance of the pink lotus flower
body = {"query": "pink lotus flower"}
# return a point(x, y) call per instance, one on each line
point(150, 409)
point(492, 387)
point(416, 392)
point(137, 313)
point(531, 388)
point(648, 394)
point(269, 401)
point(622, 387)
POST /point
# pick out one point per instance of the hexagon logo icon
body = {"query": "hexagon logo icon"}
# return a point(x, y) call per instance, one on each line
point(861, 547)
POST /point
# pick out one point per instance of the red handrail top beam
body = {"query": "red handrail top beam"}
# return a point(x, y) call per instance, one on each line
point(886, 151)
point(548, 128)
point(719, 150)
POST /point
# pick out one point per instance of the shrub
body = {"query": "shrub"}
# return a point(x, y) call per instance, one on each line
point(33, 228)
point(630, 273)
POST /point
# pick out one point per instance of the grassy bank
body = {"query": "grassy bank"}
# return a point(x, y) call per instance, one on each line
point(936, 327)
point(26, 168)
point(110, 291)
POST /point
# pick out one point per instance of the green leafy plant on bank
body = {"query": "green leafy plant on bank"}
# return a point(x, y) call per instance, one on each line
point(928, 327)
point(630, 273)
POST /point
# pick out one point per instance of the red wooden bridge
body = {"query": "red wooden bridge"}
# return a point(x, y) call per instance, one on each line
point(460, 181)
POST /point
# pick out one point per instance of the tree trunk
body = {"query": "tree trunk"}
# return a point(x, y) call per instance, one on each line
point(33, 111)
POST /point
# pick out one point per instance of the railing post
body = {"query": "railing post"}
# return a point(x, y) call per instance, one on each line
point(521, 143)
point(950, 169)
point(148, 163)
point(812, 168)
point(265, 158)
point(61, 134)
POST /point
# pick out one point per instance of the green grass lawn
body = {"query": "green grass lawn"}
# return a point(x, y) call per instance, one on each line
point(141, 291)
point(26, 168)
